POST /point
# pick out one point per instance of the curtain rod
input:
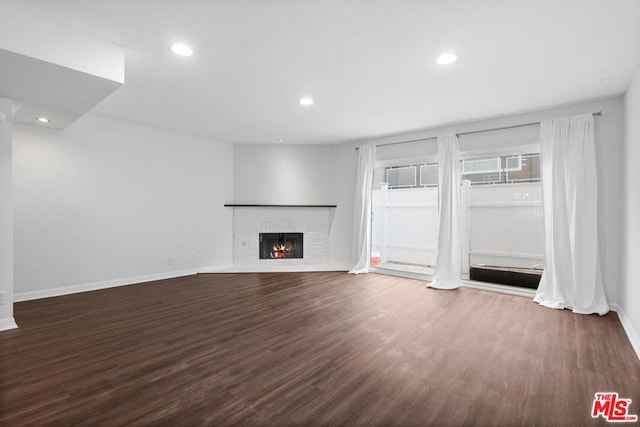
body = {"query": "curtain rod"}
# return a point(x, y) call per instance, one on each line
point(597, 113)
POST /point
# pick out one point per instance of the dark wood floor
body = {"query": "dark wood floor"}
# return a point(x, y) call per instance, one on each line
point(307, 349)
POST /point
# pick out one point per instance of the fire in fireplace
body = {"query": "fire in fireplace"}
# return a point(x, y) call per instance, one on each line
point(280, 245)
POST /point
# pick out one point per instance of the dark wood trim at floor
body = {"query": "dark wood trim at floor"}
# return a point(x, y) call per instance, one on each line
point(307, 349)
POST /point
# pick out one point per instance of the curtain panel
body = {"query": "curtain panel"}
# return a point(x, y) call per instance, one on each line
point(572, 277)
point(361, 246)
point(447, 274)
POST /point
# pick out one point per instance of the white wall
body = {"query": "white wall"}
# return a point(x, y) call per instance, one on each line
point(609, 138)
point(108, 200)
point(282, 174)
point(343, 180)
point(630, 291)
point(6, 215)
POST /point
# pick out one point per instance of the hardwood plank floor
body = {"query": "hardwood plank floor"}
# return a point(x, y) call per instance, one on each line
point(307, 349)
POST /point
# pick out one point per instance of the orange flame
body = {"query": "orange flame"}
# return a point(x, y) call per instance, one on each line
point(282, 250)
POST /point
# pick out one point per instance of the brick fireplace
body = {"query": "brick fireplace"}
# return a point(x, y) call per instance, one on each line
point(311, 223)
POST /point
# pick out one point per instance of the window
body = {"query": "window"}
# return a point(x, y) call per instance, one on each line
point(479, 166)
point(502, 169)
point(404, 176)
point(412, 176)
point(497, 169)
point(429, 175)
point(527, 170)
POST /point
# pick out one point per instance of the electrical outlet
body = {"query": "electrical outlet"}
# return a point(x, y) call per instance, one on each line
point(172, 260)
point(3, 297)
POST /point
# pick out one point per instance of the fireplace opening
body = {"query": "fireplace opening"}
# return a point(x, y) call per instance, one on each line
point(280, 245)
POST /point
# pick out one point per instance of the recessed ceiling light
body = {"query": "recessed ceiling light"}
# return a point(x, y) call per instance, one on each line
point(43, 119)
point(446, 58)
point(280, 140)
point(181, 49)
point(306, 101)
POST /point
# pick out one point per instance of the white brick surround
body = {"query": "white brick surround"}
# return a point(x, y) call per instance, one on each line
point(313, 222)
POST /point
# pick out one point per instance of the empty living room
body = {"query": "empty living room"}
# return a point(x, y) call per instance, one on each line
point(319, 212)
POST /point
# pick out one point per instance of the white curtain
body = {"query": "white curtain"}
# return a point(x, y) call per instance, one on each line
point(572, 277)
point(362, 210)
point(447, 273)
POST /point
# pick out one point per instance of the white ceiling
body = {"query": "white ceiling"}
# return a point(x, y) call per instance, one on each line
point(369, 64)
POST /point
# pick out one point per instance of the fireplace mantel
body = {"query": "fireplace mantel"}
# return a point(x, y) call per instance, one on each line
point(279, 206)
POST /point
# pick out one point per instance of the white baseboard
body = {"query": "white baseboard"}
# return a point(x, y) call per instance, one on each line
point(66, 290)
point(8, 323)
point(632, 334)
